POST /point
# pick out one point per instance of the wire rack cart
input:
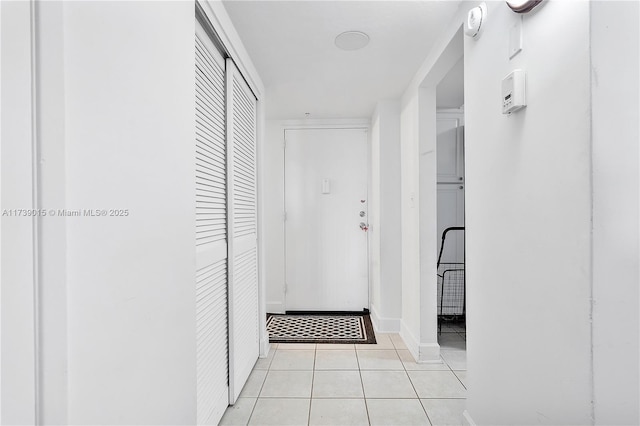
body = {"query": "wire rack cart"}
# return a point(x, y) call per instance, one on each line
point(451, 285)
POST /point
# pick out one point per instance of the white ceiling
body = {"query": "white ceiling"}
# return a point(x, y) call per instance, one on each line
point(292, 45)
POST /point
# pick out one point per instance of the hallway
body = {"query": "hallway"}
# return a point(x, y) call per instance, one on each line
point(144, 210)
point(377, 384)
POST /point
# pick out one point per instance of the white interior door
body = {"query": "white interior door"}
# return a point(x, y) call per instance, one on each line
point(326, 200)
point(211, 233)
point(244, 346)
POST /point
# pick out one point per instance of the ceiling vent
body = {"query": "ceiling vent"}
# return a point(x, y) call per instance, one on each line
point(352, 40)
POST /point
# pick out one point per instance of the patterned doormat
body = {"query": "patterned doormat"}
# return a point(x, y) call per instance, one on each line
point(320, 328)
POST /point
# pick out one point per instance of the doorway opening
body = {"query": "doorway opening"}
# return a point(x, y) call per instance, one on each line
point(451, 298)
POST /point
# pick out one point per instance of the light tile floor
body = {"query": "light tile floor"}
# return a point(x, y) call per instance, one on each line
point(381, 384)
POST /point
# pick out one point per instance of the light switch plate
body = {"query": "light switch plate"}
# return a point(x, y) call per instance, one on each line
point(326, 186)
point(515, 38)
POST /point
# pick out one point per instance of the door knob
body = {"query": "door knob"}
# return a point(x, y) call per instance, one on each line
point(364, 226)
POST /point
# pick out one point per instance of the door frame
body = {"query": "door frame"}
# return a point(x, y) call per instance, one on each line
point(323, 124)
point(420, 259)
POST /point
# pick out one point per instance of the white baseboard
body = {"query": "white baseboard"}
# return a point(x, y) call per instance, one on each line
point(409, 340)
point(422, 352)
point(275, 307)
point(468, 421)
point(265, 346)
point(384, 325)
point(429, 352)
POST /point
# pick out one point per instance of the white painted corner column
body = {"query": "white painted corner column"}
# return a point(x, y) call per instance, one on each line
point(410, 222)
point(429, 347)
point(384, 215)
point(419, 219)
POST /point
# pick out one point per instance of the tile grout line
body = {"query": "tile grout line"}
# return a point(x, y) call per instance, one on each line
point(313, 378)
point(451, 368)
point(253, 409)
point(364, 396)
point(412, 385)
point(453, 371)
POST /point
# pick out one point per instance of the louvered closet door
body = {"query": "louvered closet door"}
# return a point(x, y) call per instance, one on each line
point(211, 233)
point(243, 255)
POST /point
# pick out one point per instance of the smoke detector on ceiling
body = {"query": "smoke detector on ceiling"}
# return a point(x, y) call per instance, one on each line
point(352, 40)
point(475, 20)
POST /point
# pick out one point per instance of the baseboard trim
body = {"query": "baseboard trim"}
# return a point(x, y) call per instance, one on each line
point(384, 325)
point(421, 352)
point(409, 340)
point(265, 346)
point(429, 353)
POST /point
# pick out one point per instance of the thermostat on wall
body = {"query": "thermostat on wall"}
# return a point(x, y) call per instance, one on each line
point(513, 96)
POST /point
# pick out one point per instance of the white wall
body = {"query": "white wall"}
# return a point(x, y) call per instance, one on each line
point(52, 190)
point(98, 313)
point(114, 121)
point(374, 218)
point(410, 222)
point(130, 145)
point(17, 280)
point(274, 255)
point(384, 214)
point(528, 217)
point(614, 81)
point(538, 184)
